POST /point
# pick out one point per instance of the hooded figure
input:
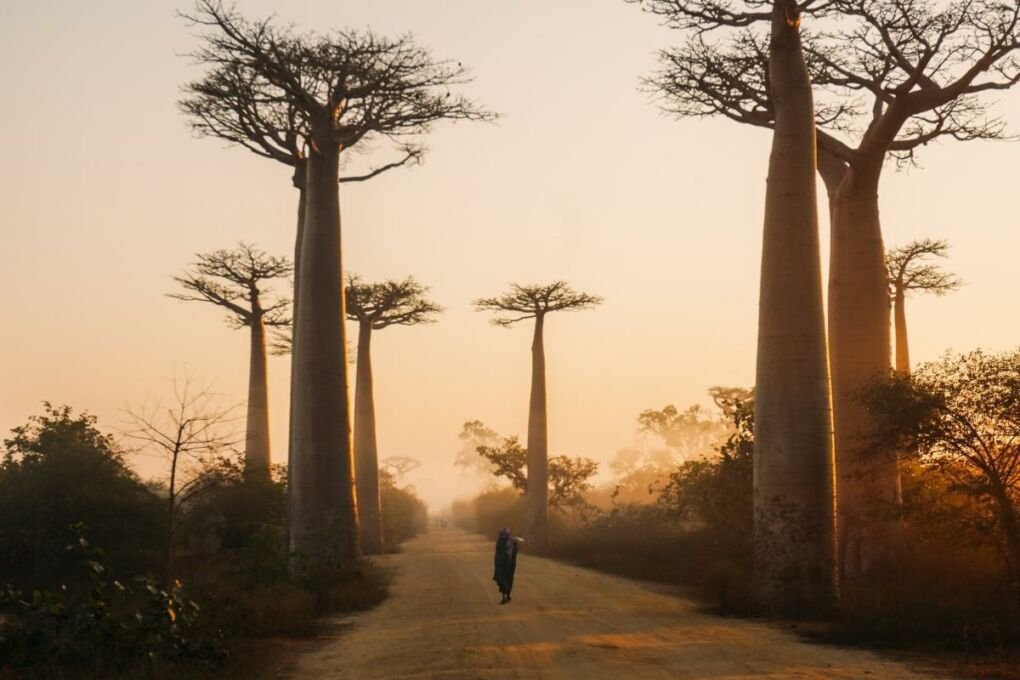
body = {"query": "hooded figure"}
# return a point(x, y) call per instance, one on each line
point(506, 563)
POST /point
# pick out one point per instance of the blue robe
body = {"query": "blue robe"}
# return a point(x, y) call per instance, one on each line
point(506, 565)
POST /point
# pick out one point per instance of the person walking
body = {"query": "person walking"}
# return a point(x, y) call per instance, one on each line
point(506, 563)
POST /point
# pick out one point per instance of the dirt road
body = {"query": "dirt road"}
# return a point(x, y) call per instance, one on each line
point(443, 621)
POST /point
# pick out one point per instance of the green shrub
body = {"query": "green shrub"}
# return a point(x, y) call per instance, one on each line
point(104, 626)
point(57, 471)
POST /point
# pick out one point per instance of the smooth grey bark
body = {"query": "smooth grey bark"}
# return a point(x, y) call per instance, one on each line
point(900, 322)
point(257, 454)
point(537, 493)
point(300, 180)
point(366, 467)
point(323, 512)
point(794, 497)
point(868, 483)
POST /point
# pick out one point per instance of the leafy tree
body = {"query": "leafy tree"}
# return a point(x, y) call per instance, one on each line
point(568, 477)
point(377, 306)
point(235, 280)
point(717, 491)
point(908, 271)
point(398, 466)
point(59, 470)
point(520, 304)
point(961, 416)
point(474, 434)
point(688, 433)
point(343, 90)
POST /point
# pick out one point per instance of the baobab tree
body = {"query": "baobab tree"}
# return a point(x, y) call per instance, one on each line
point(793, 454)
point(233, 102)
point(346, 90)
point(909, 272)
point(376, 306)
point(519, 304)
point(236, 280)
point(924, 66)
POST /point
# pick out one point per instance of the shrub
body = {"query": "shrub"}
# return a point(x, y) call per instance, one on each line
point(59, 470)
point(490, 511)
point(404, 514)
point(104, 625)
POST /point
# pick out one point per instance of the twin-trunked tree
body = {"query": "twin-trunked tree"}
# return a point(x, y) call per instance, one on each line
point(923, 66)
point(520, 304)
point(375, 306)
point(304, 100)
point(235, 280)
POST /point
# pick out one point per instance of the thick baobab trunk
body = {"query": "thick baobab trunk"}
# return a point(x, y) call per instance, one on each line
point(537, 494)
point(323, 515)
point(902, 348)
point(859, 349)
point(256, 441)
point(366, 465)
point(793, 461)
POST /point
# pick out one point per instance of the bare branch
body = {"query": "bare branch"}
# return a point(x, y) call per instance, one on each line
point(228, 278)
point(272, 89)
point(527, 302)
point(908, 271)
point(389, 303)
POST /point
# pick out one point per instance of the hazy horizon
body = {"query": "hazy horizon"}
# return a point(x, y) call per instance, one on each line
point(107, 194)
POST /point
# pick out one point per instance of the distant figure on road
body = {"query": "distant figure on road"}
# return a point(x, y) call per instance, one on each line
point(506, 563)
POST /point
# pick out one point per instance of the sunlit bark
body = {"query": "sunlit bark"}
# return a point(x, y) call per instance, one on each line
point(793, 459)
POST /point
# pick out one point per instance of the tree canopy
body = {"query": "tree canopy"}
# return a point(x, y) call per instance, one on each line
point(276, 91)
point(227, 278)
point(909, 270)
point(389, 303)
point(531, 301)
point(894, 76)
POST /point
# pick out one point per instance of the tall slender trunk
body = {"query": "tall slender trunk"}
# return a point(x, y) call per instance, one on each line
point(300, 180)
point(323, 514)
point(902, 348)
point(171, 528)
point(793, 459)
point(859, 345)
point(366, 465)
point(257, 455)
point(537, 494)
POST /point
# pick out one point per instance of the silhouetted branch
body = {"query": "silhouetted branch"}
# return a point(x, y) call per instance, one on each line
point(908, 271)
point(389, 303)
point(340, 87)
point(922, 66)
point(528, 302)
point(227, 277)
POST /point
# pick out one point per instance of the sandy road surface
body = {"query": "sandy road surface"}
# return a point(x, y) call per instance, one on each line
point(443, 621)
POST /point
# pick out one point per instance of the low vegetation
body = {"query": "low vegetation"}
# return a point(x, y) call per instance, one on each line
point(82, 583)
point(685, 519)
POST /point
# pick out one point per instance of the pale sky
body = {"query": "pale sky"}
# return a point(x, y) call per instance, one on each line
point(106, 194)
